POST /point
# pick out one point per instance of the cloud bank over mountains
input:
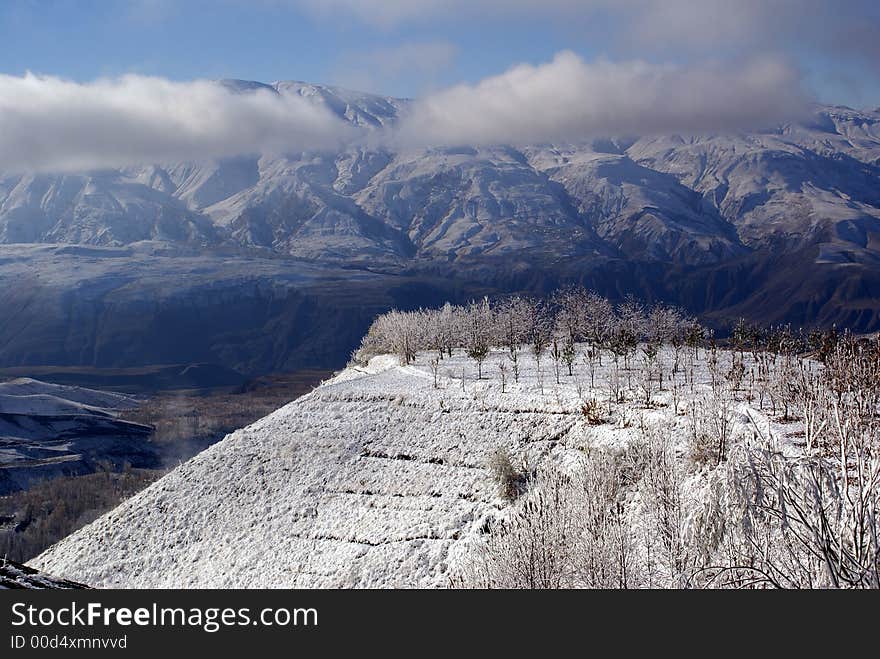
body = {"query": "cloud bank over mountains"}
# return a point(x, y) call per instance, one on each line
point(734, 70)
point(50, 124)
point(569, 99)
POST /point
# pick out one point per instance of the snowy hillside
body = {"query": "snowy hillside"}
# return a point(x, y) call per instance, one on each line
point(378, 478)
point(91, 398)
point(49, 430)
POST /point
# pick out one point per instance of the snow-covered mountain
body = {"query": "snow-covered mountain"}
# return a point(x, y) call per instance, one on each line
point(681, 199)
point(273, 262)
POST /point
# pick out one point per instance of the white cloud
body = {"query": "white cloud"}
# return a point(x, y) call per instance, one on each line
point(569, 99)
point(52, 124)
point(49, 124)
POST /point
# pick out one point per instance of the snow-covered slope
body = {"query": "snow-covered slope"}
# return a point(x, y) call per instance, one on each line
point(375, 479)
point(368, 481)
point(47, 430)
point(20, 387)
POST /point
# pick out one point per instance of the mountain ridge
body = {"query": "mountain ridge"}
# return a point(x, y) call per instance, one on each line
point(265, 251)
point(679, 199)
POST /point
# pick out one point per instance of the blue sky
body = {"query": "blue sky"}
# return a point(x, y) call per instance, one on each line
point(411, 48)
point(84, 39)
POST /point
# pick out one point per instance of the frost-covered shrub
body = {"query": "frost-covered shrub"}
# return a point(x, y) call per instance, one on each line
point(530, 549)
point(793, 523)
point(592, 412)
point(510, 478)
point(702, 448)
point(666, 505)
point(712, 423)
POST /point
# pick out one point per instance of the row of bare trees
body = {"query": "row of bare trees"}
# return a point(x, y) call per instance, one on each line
point(542, 327)
point(574, 315)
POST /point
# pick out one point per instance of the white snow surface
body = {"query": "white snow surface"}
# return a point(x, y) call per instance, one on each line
point(374, 479)
point(29, 396)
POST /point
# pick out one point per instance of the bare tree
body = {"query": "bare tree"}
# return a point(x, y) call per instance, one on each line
point(540, 334)
point(571, 304)
point(435, 367)
point(479, 332)
point(502, 369)
point(556, 353)
point(630, 328)
point(396, 332)
point(514, 316)
point(447, 323)
point(591, 358)
point(649, 376)
point(598, 319)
